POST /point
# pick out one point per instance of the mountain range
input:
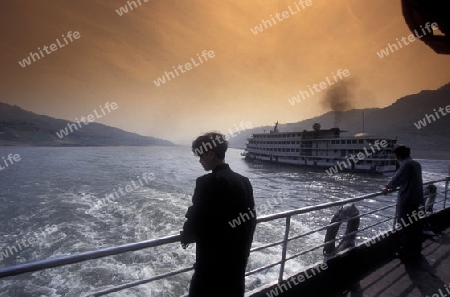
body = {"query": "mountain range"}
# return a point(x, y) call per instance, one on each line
point(412, 119)
point(21, 127)
point(419, 121)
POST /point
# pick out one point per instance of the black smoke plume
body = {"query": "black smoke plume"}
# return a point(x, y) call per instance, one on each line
point(339, 97)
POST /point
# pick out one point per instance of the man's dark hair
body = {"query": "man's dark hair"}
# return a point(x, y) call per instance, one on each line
point(402, 151)
point(213, 141)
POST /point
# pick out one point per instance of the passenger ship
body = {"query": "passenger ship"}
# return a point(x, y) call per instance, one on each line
point(323, 148)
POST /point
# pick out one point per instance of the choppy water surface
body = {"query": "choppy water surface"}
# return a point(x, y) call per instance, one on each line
point(54, 202)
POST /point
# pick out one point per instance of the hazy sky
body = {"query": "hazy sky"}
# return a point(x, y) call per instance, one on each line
point(250, 78)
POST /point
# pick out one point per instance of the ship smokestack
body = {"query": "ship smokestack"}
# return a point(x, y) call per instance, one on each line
point(339, 99)
point(316, 127)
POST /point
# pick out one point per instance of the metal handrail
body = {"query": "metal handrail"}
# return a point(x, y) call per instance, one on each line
point(141, 282)
point(71, 259)
point(340, 222)
point(287, 215)
point(311, 208)
point(77, 258)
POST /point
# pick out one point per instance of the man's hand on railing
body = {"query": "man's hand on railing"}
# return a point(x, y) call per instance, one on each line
point(185, 240)
point(385, 190)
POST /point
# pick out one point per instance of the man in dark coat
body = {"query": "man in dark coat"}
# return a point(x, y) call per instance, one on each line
point(222, 246)
point(410, 198)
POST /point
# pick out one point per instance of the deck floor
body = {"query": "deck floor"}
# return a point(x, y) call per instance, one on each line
point(430, 277)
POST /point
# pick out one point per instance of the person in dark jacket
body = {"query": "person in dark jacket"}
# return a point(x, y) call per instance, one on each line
point(410, 198)
point(222, 248)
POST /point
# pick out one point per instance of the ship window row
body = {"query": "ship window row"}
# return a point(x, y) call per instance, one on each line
point(275, 142)
point(348, 141)
point(344, 153)
point(344, 141)
point(287, 150)
point(278, 135)
point(373, 154)
point(359, 141)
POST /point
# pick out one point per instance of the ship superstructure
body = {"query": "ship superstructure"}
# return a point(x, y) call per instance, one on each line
point(323, 148)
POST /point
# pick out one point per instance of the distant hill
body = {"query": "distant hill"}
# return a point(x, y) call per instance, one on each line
point(430, 141)
point(21, 127)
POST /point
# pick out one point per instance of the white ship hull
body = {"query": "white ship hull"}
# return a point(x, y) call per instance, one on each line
point(326, 165)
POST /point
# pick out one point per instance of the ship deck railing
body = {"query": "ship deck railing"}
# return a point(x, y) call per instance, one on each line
point(440, 202)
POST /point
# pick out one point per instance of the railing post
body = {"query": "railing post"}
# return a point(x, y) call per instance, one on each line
point(395, 216)
point(285, 242)
point(446, 190)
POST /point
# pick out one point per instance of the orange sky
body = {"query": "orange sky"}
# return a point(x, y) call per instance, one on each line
point(250, 78)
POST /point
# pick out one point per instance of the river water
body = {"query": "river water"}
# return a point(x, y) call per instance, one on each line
point(59, 201)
